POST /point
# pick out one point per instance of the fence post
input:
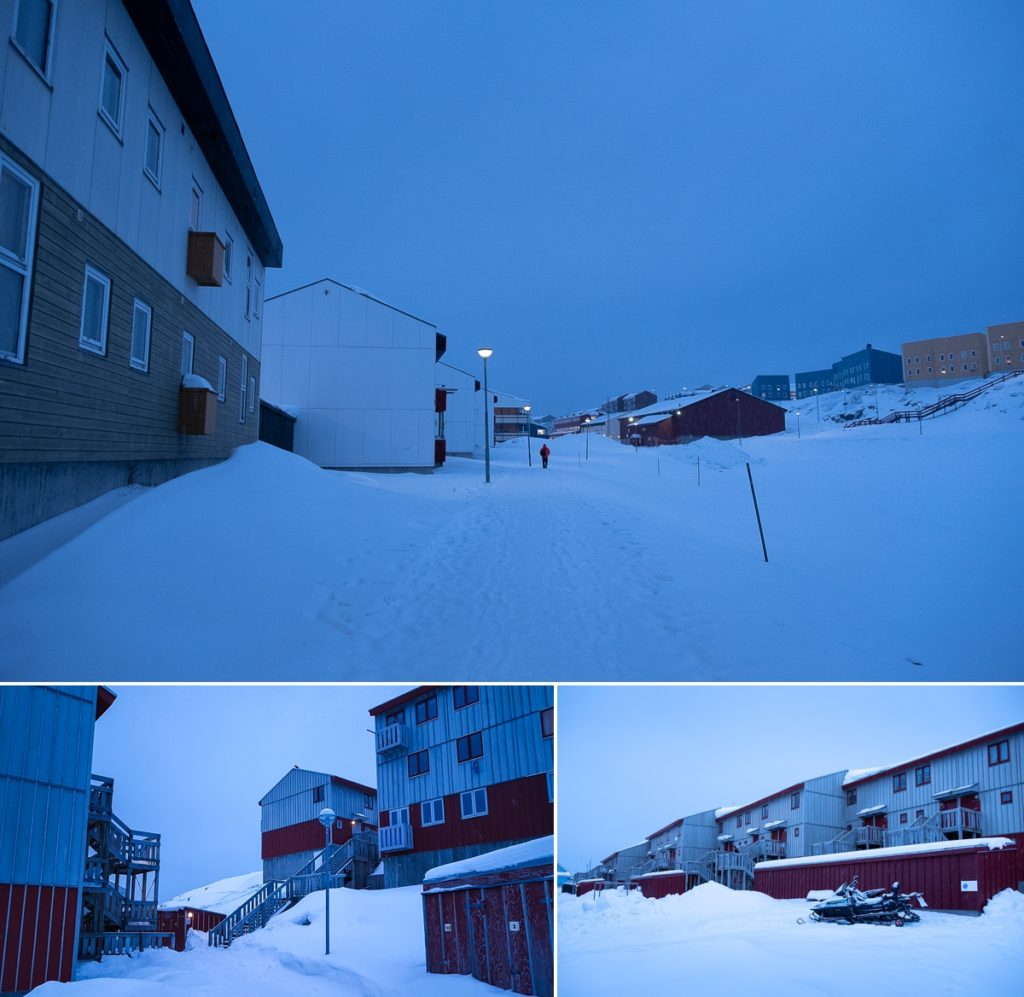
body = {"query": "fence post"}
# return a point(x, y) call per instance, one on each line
point(757, 513)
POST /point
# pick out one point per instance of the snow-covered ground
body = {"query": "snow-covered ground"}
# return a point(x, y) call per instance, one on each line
point(886, 545)
point(732, 942)
point(376, 951)
point(221, 897)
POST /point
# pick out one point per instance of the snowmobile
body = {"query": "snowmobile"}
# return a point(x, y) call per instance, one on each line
point(850, 905)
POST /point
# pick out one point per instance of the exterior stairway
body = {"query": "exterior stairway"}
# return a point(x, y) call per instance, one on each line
point(331, 867)
point(957, 822)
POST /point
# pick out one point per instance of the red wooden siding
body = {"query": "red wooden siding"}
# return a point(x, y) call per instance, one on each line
point(657, 887)
point(936, 874)
point(178, 920)
point(590, 886)
point(37, 935)
point(479, 940)
point(305, 837)
point(515, 809)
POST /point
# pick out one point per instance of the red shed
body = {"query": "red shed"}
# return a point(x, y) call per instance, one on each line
point(205, 907)
point(952, 875)
point(725, 414)
point(585, 886)
point(656, 885)
point(180, 920)
point(490, 917)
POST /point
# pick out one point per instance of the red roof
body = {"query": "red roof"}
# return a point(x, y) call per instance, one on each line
point(764, 799)
point(667, 827)
point(973, 742)
point(406, 697)
point(104, 700)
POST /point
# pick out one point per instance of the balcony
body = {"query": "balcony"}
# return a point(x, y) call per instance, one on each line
point(767, 849)
point(960, 822)
point(393, 738)
point(868, 837)
point(395, 838)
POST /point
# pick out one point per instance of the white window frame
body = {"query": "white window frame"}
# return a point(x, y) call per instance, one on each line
point(252, 394)
point(44, 71)
point(257, 287)
point(398, 816)
point(248, 285)
point(245, 384)
point(95, 346)
point(195, 207)
point(229, 246)
point(154, 123)
point(222, 378)
point(432, 806)
point(21, 266)
point(187, 337)
point(471, 795)
point(141, 363)
point(111, 53)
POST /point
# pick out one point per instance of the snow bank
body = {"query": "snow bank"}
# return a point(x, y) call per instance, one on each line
point(539, 851)
point(871, 854)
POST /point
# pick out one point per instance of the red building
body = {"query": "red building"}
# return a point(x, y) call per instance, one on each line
point(724, 414)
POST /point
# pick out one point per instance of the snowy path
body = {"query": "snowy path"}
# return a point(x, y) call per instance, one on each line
point(885, 545)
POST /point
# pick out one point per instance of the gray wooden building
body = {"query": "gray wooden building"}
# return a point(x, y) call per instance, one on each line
point(132, 255)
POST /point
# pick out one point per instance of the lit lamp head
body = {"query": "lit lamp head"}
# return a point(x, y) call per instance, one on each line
point(526, 408)
point(326, 817)
point(485, 352)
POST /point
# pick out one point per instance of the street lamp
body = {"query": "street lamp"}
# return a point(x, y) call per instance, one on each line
point(817, 404)
point(326, 817)
point(529, 455)
point(739, 426)
point(484, 352)
point(798, 425)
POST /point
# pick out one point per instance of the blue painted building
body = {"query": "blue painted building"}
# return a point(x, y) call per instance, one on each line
point(771, 387)
point(868, 366)
point(814, 382)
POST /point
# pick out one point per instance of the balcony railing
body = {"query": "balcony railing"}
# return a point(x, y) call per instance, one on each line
point(869, 836)
point(395, 838)
point(767, 849)
point(393, 737)
point(94, 945)
point(960, 819)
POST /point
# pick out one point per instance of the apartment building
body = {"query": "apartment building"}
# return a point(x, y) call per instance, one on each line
point(132, 254)
point(461, 770)
point(771, 387)
point(1006, 347)
point(946, 358)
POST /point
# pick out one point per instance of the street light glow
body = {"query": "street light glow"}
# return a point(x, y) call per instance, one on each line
point(484, 352)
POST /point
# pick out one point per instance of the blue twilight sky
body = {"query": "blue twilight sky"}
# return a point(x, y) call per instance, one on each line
point(192, 762)
point(633, 759)
point(644, 194)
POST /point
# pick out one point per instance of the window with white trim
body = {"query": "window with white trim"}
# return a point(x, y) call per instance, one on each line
point(195, 216)
point(222, 378)
point(188, 349)
point(257, 288)
point(252, 394)
point(142, 326)
point(248, 285)
point(473, 803)
point(19, 202)
point(112, 88)
point(34, 21)
point(92, 333)
point(399, 816)
point(245, 384)
point(154, 148)
point(432, 812)
point(229, 245)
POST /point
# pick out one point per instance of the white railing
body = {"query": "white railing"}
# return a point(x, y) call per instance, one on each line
point(395, 837)
point(393, 737)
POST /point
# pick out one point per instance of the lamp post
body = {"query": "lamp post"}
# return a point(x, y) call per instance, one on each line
point(326, 817)
point(586, 430)
point(739, 426)
point(484, 352)
point(798, 425)
point(529, 455)
point(817, 404)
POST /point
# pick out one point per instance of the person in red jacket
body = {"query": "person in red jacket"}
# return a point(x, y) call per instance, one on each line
point(545, 452)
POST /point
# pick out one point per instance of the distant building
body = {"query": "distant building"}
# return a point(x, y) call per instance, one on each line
point(461, 423)
point(814, 382)
point(631, 402)
point(461, 770)
point(771, 387)
point(1006, 346)
point(947, 358)
point(135, 236)
point(357, 373)
point(868, 366)
point(725, 414)
point(291, 831)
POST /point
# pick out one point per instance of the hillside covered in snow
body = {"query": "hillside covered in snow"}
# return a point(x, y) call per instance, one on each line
point(885, 544)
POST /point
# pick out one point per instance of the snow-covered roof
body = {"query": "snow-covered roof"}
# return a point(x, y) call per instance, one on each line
point(993, 844)
point(725, 837)
point(877, 808)
point(195, 381)
point(855, 775)
point(752, 830)
point(538, 851)
point(773, 823)
point(221, 897)
point(959, 791)
point(724, 811)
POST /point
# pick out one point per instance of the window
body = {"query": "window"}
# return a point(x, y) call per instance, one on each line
point(918, 814)
point(796, 832)
point(112, 89)
point(464, 695)
point(154, 148)
point(222, 378)
point(851, 797)
point(903, 818)
point(394, 718)
point(473, 803)
point(470, 746)
point(551, 787)
point(252, 394)
point(739, 822)
point(367, 801)
point(318, 794)
point(764, 811)
point(19, 199)
point(999, 753)
point(794, 801)
point(432, 812)
point(229, 245)
point(196, 210)
point(419, 763)
point(188, 349)
point(92, 334)
point(256, 298)
point(426, 709)
point(547, 722)
point(245, 384)
point(142, 324)
point(33, 32)
point(1006, 796)
point(922, 775)
point(399, 816)
point(248, 284)
point(899, 782)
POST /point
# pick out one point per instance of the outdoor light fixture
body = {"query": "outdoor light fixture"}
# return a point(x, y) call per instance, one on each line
point(529, 455)
point(484, 352)
point(326, 817)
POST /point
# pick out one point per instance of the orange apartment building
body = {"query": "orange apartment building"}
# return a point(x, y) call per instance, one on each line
point(973, 354)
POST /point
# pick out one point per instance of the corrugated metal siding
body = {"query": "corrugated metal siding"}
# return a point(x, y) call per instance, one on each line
point(935, 874)
point(291, 800)
point(37, 935)
point(509, 719)
point(307, 836)
point(178, 921)
point(285, 866)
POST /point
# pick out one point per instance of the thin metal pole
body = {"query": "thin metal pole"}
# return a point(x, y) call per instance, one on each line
point(757, 513)
point(698, 470)
point(739, 425)
point(487, 431)
point(327, 889)
point(529, 450)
